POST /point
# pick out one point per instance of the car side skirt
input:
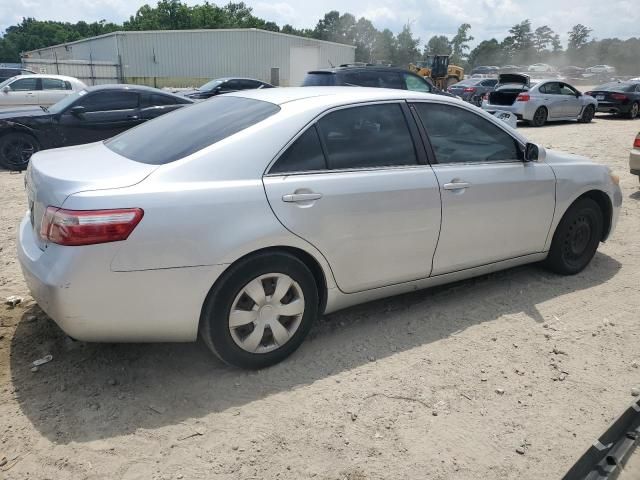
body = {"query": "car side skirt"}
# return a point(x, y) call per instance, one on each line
point(336, 300)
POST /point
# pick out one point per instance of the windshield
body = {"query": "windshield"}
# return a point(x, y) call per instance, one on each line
point(617, 87)
point(190, 129)
point(210, 85)
point(66, 102)
point(7, 82)
point(315, 79)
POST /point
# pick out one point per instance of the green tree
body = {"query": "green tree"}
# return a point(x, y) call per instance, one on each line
point(488, 52)
point(437, 45)
point(385, 47)
point(365, 35)
point(542, 37)
point(460, 44)
point(407, 48)
point(578, 36)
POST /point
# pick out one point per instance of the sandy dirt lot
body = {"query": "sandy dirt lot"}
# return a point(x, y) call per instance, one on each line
point(445, 383)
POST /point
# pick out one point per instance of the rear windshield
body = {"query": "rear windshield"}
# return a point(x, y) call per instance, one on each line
point(189, 129)
point(319, 79)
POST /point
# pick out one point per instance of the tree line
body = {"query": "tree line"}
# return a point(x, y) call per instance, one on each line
point(524, 44)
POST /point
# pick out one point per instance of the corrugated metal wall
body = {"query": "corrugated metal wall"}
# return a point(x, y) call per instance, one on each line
point(190, 57)
point(91, 73)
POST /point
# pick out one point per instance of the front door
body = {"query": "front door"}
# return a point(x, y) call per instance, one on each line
point(106, 113)
point(355, 186)
point(23, 91)
point(571, 104)
point(553, 99)
point(495, 206)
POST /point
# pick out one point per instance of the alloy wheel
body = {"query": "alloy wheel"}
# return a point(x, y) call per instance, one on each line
point(17, 152)
point(266, 313)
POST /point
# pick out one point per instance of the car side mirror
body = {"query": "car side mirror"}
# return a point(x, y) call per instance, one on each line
point(531, 152)
point(77, 111)
point(6, 89)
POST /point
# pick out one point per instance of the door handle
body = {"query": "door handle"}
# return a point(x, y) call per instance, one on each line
point(301, 197)
point(456, 185)
point(132, 117)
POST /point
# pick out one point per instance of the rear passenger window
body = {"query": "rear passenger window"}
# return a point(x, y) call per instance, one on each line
point(460, 136)
point(305, 154)
point(416, 84)
point(368, 136)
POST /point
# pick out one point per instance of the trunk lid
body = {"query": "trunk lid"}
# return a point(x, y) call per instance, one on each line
point(514, 78)
point(53, 175)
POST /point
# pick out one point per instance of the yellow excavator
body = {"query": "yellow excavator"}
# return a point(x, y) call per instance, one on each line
point(437, 68)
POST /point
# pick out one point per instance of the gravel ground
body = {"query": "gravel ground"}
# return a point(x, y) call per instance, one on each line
point(446, 383)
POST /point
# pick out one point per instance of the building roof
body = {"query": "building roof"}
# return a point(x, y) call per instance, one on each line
point(203, 30)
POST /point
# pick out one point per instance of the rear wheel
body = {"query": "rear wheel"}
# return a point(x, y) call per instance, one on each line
point(634, 111)
point(16, 148)
point(260, 311)
point(539, 117)
point(576, 238)
point(588, 114)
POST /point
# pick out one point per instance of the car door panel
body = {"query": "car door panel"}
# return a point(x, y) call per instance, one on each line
point(375, 227)
point(23, 91)
point(505, 212)
point(571, 104)
point(494, 205)
point(552, 99)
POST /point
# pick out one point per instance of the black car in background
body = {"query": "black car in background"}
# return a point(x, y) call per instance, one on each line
point(371, 76)
point(473, 89)
point(485, 70)
point(620, 98)
point(89, 115)
point(224, 85)
point(8, 72)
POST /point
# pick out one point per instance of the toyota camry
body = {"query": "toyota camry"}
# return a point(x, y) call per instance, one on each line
point(245, 217)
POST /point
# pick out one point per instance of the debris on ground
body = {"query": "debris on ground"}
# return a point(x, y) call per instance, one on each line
point(635, 392)
point(42, 361)
point(13, 300)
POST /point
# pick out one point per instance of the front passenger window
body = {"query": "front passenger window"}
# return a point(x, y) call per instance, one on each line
point(460, 136)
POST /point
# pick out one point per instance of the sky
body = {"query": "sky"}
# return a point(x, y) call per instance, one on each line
point(488, 18)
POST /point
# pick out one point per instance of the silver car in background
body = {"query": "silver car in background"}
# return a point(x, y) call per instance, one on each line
point(541, 101)
point(245, 217)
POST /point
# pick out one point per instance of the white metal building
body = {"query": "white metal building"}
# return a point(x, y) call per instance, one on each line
point(181, 58)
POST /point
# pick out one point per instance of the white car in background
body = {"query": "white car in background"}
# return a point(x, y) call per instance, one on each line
point(601, 69)
point(540, 67)
point(37, 89)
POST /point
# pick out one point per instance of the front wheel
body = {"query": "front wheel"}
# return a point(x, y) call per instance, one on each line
point(588, 114)
point(576, 238)
point(16, 148)
point(260, 311)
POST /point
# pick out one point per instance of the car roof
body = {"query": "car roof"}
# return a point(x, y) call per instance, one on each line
point(334, 95)
point(47, 75)
point(127, 87)
point(368, 68)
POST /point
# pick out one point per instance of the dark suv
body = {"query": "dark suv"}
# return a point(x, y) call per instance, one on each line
point(371, 76)
point(8, 72)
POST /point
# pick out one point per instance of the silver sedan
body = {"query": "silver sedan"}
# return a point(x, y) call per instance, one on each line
point(539, 102)
point(245, 217)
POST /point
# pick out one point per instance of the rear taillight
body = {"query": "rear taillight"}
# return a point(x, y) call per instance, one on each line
point(619, 96)
point(469, 90)
point(88, 227)
point(636, 143)
point(523, 97)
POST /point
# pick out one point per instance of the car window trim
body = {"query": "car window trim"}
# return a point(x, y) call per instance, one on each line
point(429, 147)
point(421, 155)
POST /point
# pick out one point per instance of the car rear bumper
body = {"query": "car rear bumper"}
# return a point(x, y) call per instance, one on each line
point(77, 289)
point(604, 107)
point(519, 109)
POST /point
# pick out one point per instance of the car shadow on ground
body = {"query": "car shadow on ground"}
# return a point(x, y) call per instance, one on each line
point(97, 391)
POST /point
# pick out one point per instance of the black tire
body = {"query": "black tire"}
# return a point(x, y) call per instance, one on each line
point(539, 117)
point(214, 319)
point(588, 114)
point(576, 238)
point(16, 148)
point(634, 111)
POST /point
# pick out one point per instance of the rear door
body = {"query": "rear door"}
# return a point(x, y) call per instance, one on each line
point(355, 185)
point(153, 105)
point(494, 205)
point(22, 91)
point(553, 99)
point(107, 113)
point(53, 90)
